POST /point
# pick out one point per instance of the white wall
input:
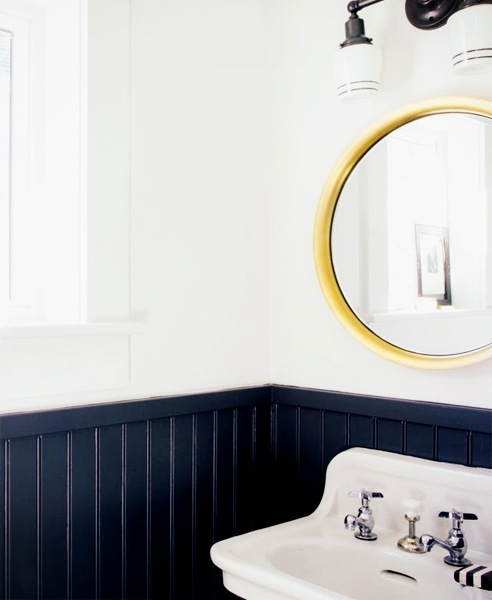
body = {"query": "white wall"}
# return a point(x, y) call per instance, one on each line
point(187, 258)
point(234, 127)
point(199, 189)
point(311, 129)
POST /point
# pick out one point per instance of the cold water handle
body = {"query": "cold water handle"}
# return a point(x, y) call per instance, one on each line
point(455, 543)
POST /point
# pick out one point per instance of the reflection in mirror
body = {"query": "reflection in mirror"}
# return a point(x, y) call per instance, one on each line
point(412, 235)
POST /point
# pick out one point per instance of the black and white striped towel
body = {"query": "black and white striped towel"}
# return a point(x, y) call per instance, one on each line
point(475, 575)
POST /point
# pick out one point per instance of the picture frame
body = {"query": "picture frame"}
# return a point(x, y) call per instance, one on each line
point(433, 268)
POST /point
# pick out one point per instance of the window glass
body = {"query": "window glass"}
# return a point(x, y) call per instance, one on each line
point(5, 134)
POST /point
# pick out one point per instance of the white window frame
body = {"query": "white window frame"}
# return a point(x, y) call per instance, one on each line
point(19, 300)
point(5, 149)
point(86, 354)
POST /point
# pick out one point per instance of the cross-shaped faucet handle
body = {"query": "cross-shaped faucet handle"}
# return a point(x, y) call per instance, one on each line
point(457, 517)
point(364, 494)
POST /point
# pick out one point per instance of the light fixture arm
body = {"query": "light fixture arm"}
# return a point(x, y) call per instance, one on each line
point(423, 14)
point(356, 5)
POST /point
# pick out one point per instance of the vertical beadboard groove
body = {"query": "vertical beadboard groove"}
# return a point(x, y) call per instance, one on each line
point(39, 516)
point(469, 448)
point(298, 444)
point(274, 436)
point(234, 469)
point(148, 496)
point(194, 475)
point(69, 513)
point(274, 454)
point(404, 434)
point(7, 520)
point(436, 442)
point(124, 491)
point(254, 470)
point(97, 509)
point(347, 430)
point(172, 483)
point(215, 419)
point(322, 442)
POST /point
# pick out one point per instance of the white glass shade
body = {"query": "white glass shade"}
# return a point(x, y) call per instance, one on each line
point(471, 38)
point(358, 71)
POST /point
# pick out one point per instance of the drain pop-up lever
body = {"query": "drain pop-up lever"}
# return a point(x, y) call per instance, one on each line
point(411, 543)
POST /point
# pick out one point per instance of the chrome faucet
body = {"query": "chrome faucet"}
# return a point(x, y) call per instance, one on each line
point(455, 543)
point(364, 519)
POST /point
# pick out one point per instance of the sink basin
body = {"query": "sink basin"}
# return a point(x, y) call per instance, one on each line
point(315, 558)
point(349, 570)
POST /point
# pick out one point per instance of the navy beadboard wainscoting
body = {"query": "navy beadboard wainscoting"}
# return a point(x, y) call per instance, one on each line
point(124, 500)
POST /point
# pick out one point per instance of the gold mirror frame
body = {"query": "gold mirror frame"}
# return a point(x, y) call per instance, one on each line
point(324, 223)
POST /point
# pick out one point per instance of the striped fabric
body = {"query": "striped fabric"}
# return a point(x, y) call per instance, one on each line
point(477, 576)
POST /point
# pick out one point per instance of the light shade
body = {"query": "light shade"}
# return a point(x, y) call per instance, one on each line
point(471, 38)
point(358, 71)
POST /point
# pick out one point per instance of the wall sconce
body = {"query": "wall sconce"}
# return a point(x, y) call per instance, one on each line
point(358, 62)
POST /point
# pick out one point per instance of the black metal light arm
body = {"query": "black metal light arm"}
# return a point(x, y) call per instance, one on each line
point(356, 5)
point(423, 14)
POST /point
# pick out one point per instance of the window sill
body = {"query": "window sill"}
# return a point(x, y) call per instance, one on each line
point(40, 360)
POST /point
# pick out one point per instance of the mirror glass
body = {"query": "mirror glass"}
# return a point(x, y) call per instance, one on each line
point(411, 237)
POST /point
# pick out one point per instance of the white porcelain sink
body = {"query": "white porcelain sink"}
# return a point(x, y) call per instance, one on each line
point(315, 558)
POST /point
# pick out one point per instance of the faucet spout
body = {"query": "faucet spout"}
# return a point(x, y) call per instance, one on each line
point(455, 545)
point(364, 519)
point(429, 541)
point(350, 522)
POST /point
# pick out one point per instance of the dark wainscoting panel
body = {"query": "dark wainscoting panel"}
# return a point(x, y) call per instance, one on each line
point(311, 426)
point(130, 509)
point(124, 500)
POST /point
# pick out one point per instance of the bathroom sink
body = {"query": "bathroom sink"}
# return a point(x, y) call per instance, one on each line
point(383, 573)
point(316, 558)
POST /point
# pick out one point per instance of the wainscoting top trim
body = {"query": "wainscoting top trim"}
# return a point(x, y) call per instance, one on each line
point(428, 413)
point(425, 413)
point(99, 415)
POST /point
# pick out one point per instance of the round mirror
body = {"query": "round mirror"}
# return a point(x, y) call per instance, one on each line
point(403, 235)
